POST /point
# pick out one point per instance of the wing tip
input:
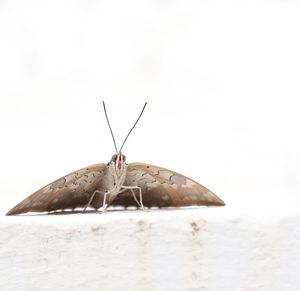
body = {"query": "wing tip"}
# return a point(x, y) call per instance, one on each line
point(20, 208)
point(16, 210)
point(221, 203)
point(216, 200)
point(11, 212)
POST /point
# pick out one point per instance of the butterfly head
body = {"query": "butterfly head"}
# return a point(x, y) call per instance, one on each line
point(118, 163)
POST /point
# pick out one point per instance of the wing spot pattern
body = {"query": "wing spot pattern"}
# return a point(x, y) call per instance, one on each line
point(188, 183)
point(55, 200)
point(149, 182)
point(166, 177)
point(58, 183)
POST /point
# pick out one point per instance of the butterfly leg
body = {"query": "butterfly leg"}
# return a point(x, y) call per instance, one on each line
point(137, 202)
point(104, 202)
point(104, 206)
point(92, 197)
point(141, 197)
point(107, 193)
point(131, 188)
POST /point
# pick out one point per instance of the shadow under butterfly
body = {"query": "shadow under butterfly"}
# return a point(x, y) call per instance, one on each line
point(118, 184)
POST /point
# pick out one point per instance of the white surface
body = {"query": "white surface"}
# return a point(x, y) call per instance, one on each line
point(216, 249)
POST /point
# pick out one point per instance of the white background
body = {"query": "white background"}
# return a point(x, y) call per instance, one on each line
point(221, 79)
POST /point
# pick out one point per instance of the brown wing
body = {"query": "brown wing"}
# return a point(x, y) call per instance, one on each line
point(71, 191)
point(164, 188)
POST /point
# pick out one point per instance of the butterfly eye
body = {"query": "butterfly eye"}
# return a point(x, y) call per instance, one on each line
point(124, 158)
point(113, 158)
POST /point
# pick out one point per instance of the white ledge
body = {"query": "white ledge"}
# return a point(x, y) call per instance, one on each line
point(185, 249)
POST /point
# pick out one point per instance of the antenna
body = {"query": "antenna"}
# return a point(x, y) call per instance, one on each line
point(110, 127)
point(133, 126)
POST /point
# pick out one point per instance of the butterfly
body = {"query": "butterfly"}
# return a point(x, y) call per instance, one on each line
point(118, 184)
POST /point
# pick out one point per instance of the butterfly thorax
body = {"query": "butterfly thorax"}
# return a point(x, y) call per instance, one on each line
point(115, 175)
